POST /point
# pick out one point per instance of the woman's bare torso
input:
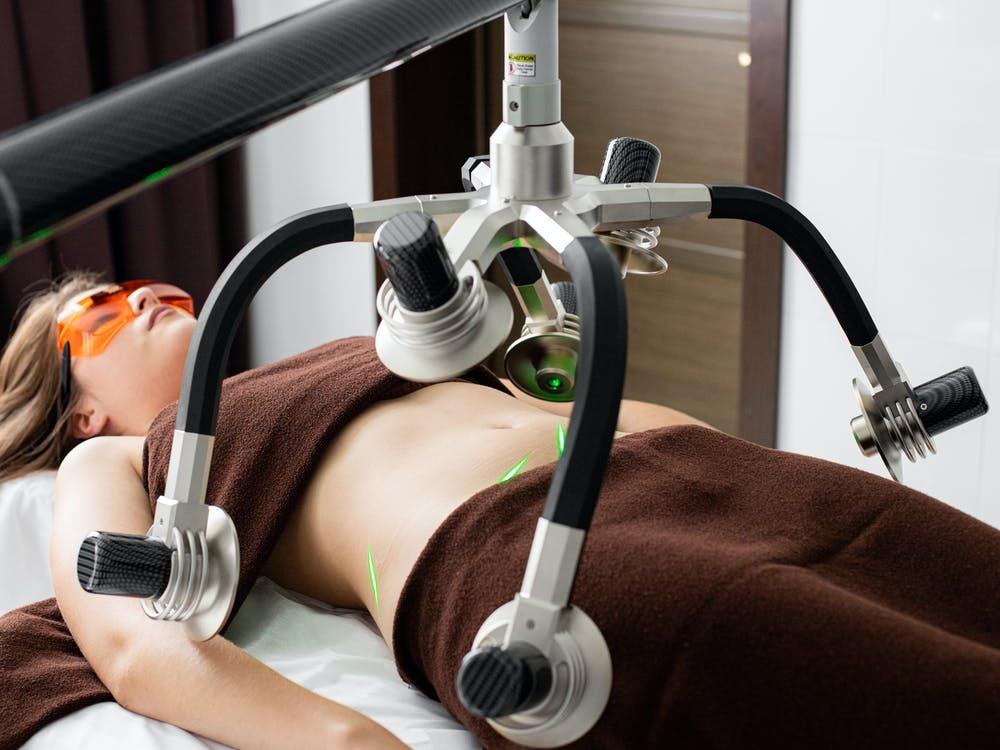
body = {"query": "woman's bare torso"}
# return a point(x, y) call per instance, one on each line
point(391, 477)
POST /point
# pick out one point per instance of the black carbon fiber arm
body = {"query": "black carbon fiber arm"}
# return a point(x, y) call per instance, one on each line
point(64, 166)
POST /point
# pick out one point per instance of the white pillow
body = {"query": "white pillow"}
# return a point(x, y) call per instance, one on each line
point(25, 525)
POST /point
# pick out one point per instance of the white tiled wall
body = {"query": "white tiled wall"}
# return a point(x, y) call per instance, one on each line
point(894, 153)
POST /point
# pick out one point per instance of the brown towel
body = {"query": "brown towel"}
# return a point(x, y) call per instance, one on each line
point(749, 597)
point(274, 424)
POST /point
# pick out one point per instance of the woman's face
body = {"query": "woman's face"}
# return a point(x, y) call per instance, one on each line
point(123, 388)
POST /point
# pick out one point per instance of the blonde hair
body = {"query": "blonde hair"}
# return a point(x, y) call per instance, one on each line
point(32, 435)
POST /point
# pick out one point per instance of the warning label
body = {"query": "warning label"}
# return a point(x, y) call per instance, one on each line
point(520, 64)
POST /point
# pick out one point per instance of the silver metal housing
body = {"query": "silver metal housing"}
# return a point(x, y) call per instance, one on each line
point(531, 89)
point(531, 164)
point(478, 225)
point(889, 423)
point(204, 575)
point(190, 461)
point(582, 678)
point(430, 346)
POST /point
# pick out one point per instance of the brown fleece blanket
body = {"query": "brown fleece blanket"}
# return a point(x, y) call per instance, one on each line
point(274, 424)
point(749, 597)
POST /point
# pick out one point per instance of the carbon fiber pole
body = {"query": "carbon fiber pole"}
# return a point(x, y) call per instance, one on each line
point(66, 166)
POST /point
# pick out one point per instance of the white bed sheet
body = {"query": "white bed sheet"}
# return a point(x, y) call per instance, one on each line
point(336, 653)
point(25, 525)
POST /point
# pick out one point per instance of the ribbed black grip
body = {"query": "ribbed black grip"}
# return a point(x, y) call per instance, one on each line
point(565, 292)
point(494, 682)
point(950, 400)
point(412, 254)
point(123, 565)
point(630, 160)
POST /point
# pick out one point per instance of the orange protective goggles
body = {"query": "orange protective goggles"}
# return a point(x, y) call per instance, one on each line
point(92, 321)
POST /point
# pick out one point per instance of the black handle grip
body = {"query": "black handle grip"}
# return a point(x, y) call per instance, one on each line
point(412, 254)
point(950, 400)
point(123, 565)
point(493, 682)
point(630, 160)
point(565, 292)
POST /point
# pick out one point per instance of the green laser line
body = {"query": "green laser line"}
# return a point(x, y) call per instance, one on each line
point(158, 175)
point(514, 470)
point(372, 577)
point(41, 234)
point(4, 260)
point(560, 439)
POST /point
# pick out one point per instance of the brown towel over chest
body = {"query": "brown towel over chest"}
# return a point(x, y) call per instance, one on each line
point(274, 424)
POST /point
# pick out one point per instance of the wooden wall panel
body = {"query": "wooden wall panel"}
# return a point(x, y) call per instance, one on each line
point(767, 125)
point(687, 93)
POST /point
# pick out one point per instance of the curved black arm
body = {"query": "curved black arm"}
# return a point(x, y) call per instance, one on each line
point(198, 408)
point(600, 377)
point(90, 155)
point(768, 210)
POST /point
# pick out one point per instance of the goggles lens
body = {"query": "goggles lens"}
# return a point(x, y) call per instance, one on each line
point(89, 324)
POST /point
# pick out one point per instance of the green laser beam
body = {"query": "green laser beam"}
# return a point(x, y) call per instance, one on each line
point(372, 577)
point(514, 470)
point(158, 175)
point(560, 439)
point(41, 234)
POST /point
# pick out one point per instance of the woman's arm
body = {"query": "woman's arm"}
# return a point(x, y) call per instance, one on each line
point(633, 416)
point(212, 688)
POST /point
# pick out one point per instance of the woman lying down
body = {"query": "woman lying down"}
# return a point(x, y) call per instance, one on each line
point(749, 597)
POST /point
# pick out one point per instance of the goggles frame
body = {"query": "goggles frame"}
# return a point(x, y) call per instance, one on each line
point(89, 333)
point(97, 340)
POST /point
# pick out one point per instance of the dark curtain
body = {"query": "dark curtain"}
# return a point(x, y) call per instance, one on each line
point(185, 230)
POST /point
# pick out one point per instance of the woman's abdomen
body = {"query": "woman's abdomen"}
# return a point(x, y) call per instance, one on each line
point(392, 476)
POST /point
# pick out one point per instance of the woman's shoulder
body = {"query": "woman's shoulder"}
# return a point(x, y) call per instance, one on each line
point(102, 449)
